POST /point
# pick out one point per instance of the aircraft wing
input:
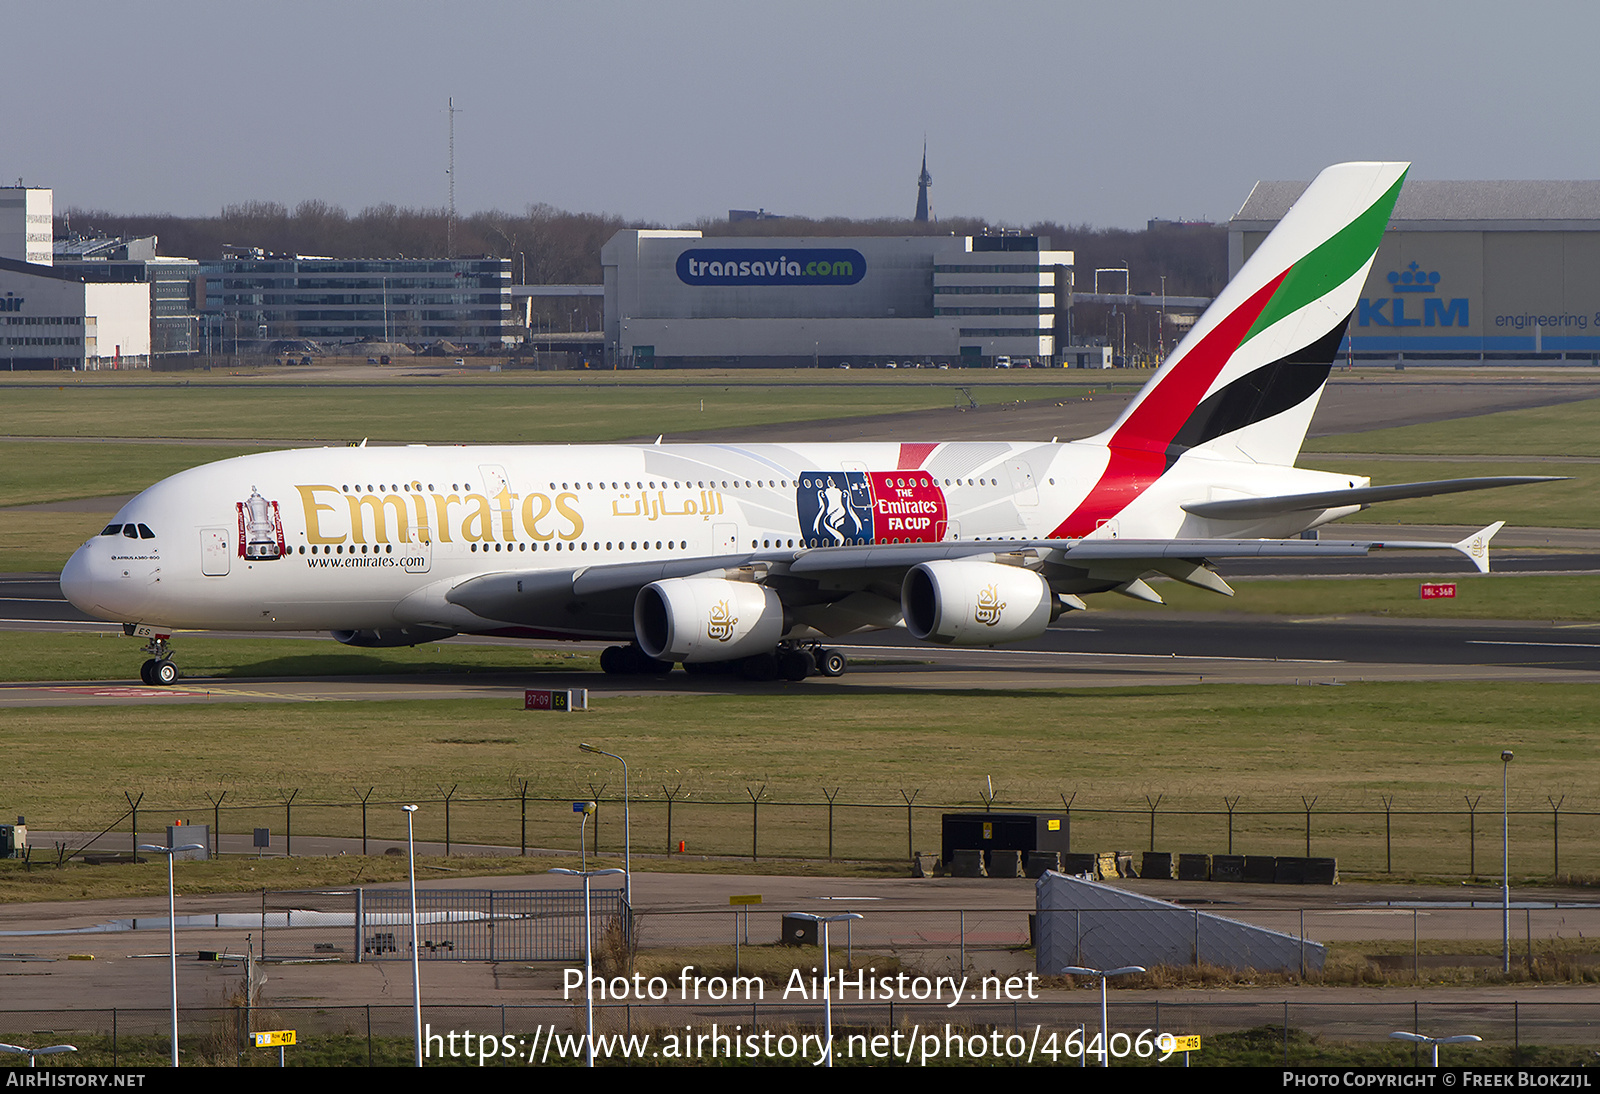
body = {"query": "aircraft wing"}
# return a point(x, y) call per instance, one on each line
point(599, 599)
point(1256, 508)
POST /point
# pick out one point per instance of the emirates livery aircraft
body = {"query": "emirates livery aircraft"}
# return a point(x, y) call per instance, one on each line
point(750, 557)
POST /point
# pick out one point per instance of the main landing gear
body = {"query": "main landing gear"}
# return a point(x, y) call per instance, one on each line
point(160, 670)
point(787, 662)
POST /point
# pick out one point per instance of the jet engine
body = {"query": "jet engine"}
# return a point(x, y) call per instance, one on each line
point(707, 619)
point(965, 603)
point(397, 636)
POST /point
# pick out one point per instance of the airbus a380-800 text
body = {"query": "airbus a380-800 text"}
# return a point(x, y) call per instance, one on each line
point(756, 556)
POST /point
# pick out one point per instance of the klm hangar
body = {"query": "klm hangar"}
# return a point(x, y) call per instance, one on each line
point(1468, 271)
point(676, 298)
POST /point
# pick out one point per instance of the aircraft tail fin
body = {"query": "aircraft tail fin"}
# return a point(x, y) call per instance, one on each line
point(1246, 379)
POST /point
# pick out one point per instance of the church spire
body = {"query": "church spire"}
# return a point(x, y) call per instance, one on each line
point(924, 181)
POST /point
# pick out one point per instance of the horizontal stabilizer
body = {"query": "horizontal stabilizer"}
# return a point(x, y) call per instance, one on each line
point(1258, 508)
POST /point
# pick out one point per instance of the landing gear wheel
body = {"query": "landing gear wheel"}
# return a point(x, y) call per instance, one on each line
point(164, 673)
point(762, 667)
point(145, 671)
point(796, 664)
point(832, 662)
point(611, 660)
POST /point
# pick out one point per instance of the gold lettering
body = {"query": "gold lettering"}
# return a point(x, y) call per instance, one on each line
point(313, 508)
point(480, 517)
point(441, 505)
point(530, 519)
point(571, 514)
point(502, 502)
point(380, 525)
point(422, 517)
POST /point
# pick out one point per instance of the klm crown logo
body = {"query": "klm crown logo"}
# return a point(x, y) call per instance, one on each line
point(1413, 279)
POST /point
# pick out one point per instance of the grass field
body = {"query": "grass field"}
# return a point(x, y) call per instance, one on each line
point(1567, 429)
point(1425, 746)
point(520, 413)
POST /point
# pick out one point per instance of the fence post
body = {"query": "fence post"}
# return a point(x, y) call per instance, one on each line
point(522, 792)
point(1066, 803)
point(133, 808)
point(364, 799)
point(1555, 834)
point(1308, 804)
point(448, 794)
point(216, 822)
point(670, 796)
point(1388, 834)
point(911, 847)
point(1472, 835)
point(830, 798)
point(1232, 804)
point(288, 823)
point(1153, 805)
point(961, 934)
point(755, 820)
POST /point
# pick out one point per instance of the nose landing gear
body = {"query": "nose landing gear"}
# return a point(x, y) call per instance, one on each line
point(160, 670)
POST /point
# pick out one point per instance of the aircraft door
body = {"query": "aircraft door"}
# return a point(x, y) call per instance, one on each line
point(1024, 490)
point(727, 538)
point(216, 550)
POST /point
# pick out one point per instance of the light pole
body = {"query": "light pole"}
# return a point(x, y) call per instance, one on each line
point(172, 929)
point(30, 1053)
point(416, 968)
point(1505, 858)
point(827, 992)
point(627, 843)
point(588, 955)
point(1433, 1042)
point(1105, 1024)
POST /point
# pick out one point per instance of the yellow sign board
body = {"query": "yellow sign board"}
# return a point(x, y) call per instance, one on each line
point(1191, 1043)
point(274, 1038)
point(754, 898)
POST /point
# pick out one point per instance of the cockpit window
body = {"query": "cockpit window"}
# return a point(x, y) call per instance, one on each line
point(145, 532)
point(131, 531)
point(111, 529)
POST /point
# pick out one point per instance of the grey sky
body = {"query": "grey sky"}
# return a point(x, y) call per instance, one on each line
point(1102, 113)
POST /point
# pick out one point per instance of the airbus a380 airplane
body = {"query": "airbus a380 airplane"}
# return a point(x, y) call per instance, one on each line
point(752, 556)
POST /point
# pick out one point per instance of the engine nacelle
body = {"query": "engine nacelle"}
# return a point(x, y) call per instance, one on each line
point(397, 636)
point(964, 603)
point(706, 619)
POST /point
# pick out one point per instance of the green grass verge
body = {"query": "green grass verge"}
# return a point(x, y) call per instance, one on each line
point(1567, 429)
point(1478, 596)
point(1423, 745)
point(1571, 504)
point(112, 656)
point(456, 414)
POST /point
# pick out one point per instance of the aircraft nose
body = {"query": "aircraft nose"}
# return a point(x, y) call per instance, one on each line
point(99, 586)
point(77, 580)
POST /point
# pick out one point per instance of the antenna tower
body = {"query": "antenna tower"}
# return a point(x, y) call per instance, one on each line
point(450, 217)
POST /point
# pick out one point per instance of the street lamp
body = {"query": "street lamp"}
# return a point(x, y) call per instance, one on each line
point(30, 1053)
point(1434, 1042)
point(416, 968)
point(1105, 1024)
point(588, 954)
point(627, 843)
point(172, 929)
point(1505, 858)
point(827, 993)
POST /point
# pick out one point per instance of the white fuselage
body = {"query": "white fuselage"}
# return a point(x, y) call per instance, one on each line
point(353, 538)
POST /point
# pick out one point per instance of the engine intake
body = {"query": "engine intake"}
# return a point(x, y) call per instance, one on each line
point(707, 619)
point(964, 603)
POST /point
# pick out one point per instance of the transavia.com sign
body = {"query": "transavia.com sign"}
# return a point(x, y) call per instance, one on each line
point(776, 266)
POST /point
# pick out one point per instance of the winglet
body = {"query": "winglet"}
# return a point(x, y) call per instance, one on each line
point(1476, 546)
